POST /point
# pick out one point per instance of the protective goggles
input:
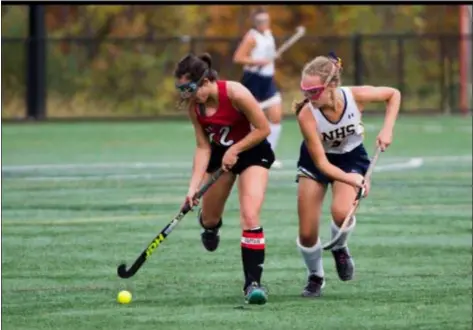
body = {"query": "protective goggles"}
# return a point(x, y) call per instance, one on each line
point(313, 92)
point(188, 89)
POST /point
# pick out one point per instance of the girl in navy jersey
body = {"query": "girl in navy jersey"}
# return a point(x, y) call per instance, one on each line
point(256, 53)
point(330, 121)
point(230, 131)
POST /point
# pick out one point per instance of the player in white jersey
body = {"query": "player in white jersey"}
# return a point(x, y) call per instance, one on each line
point(330, 121)
point(256, 53)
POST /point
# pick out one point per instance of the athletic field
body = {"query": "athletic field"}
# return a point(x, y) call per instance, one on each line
point(79, 198)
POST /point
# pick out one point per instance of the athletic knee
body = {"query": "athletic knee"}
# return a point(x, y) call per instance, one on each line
point(339, 213)
point(209, 219)
point(249, 218)
point(307, 239)
point(308, 231)
point(275, 118)
point(275, 114)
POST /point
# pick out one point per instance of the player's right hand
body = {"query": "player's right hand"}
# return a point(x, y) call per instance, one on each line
point(361, 183)
point(358, 182)
point(190, 199)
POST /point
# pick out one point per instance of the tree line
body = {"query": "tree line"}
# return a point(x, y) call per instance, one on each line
point(118, 59)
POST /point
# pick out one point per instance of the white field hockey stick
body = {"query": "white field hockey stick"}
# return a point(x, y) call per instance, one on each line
point(300, 32)
point(356, 203)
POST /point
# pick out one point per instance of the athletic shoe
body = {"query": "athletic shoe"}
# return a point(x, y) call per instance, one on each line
point(314, 286)
point(255, 294)
point(344, 263)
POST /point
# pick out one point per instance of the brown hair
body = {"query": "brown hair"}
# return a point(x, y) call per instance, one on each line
point(256, 12)
point(194, 68)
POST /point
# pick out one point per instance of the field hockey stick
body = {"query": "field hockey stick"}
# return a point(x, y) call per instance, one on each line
point(300, 32)
point(126, 273)
point(356, 203)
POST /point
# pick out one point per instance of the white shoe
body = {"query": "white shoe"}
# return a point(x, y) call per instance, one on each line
point(277, 164)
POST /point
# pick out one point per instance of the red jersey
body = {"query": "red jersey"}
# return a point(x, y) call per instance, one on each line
point(227, 125)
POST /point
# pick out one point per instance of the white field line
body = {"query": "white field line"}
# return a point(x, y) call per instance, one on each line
point(410, 164)
point(144, 176)
point(59, 167)
point(182, 164)
point(429, 128)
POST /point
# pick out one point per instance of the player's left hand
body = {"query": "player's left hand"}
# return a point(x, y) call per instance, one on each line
point(229, 159)
point(385, 138)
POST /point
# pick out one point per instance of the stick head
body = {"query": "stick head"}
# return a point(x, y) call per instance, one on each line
point(300, 29)
point(122, 272)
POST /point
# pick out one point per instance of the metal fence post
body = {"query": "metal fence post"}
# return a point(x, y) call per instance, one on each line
point(400, 67)
point(443, 77)
point(36, 64)
point(358, 59)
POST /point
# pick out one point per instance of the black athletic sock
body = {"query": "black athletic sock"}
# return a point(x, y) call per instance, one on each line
point(252, 255)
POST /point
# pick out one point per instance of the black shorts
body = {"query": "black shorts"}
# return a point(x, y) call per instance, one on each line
point(355, 161)
point(260, 155)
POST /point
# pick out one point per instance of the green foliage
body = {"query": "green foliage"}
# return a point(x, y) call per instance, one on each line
point(14, 21)
point(105, 76)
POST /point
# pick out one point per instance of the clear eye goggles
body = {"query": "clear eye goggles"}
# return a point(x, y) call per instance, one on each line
point(188, 89)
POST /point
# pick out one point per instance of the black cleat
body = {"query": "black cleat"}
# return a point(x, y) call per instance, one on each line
point(314, 286)
point(210, 238)
point(255, 294)
point(344, 263)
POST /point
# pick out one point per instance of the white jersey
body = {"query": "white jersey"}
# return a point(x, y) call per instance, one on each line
point(265, 48)
point(346, 134)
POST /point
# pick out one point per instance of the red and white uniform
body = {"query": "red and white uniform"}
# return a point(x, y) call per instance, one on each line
point(227, 125)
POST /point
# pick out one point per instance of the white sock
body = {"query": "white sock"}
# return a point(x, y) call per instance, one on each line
point(273, 137)
point(312, 258)
point(344, 238)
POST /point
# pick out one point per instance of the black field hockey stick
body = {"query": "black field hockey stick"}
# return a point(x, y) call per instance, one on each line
point(126, 273)
point(356, 203)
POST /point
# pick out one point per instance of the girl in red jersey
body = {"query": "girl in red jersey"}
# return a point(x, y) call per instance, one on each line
point(230, 131)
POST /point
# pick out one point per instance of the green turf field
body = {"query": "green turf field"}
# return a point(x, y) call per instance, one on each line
point(104, 190)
